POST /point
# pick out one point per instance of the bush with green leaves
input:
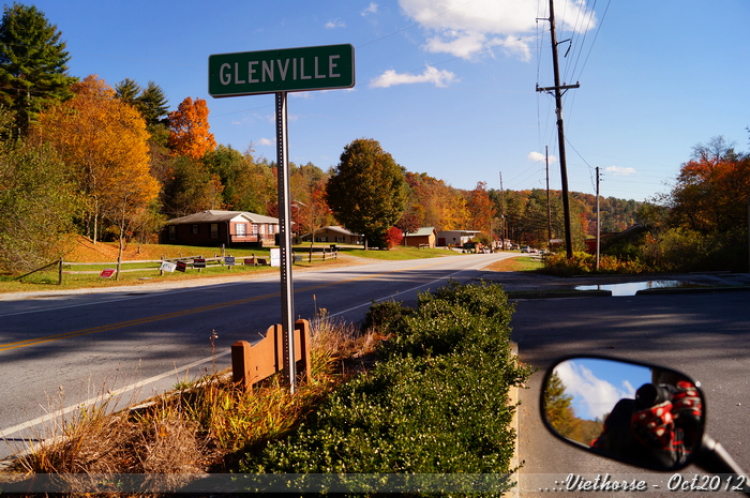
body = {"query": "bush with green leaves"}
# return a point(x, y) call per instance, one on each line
point(683, 250)
point(436, 404)
point(38, 200)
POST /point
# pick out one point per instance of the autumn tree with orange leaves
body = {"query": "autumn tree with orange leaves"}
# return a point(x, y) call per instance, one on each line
point(481, 209)
point(106, 143)
point(703, 225)
point(189, 129)
point(712, 189)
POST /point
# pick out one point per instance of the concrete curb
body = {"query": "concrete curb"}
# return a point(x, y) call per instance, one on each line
point(557, 294)
point(691, 290)
point(604, 293)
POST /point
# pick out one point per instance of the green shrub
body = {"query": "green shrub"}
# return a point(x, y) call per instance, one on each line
point(584, 263)
point(453, 318)
point(665, 250)
point(384, 316)
point(437, 403)
point(681, 249)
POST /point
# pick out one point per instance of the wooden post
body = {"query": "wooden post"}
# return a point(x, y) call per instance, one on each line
point(254, 363)
point(302, 328)
point(60, 273)
point(240, 364)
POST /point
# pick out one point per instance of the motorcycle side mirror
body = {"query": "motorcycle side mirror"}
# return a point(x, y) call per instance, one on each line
point(639, 414)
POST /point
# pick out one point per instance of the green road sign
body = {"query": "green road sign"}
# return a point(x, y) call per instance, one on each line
point(284, 70)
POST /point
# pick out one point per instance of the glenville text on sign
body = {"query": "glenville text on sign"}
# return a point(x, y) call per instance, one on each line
point(284, 70)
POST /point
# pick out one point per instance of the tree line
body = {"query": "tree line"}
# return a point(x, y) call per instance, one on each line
point(78, 156)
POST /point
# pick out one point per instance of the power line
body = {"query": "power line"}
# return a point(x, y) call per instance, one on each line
point(598, 29)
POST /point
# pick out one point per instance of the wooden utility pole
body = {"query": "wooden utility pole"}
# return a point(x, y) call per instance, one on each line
point(558, 92)
point(502, 210)
point(598, 220)
point(549, 205)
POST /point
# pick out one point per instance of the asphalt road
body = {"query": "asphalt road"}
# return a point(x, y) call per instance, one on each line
point(60, 350)
point(705, 335)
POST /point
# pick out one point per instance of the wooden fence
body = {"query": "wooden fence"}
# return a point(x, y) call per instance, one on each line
point(254, 363)
point(188, 261)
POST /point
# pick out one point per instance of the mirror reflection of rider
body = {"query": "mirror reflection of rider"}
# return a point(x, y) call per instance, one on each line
point(658, 428)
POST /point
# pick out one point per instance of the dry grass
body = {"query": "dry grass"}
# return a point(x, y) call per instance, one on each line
point(82, 249)
point(521, 263)
point(201, 429)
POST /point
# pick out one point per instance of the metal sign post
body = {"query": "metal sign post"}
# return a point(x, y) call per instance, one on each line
point(278, 72)
point(285, 242)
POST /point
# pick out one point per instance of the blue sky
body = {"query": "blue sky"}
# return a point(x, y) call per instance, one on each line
point(448, 87)
point(597, 385)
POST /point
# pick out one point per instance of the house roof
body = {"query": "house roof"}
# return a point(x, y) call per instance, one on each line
point(422, 232)
point(340, 230)
point(464, 232)
point(336, 229)
point(213, 216)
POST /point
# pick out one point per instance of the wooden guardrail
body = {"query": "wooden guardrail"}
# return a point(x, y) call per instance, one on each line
point(218, 260)
point(309, 254)
point(254, 363)
point(226, 261)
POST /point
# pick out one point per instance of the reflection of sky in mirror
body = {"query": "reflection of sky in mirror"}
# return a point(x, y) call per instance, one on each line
point(597, 385)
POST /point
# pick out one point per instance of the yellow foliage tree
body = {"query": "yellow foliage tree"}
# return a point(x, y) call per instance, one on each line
point(105, 141)
point(189, 129)
point(480, 209)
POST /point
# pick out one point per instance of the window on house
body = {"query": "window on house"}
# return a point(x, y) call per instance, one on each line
point(195, 229)
point(214, 230)
point(172, 232)
point(254, 229)
point(241, 229)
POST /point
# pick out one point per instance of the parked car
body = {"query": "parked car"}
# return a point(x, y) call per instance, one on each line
point(525, 249)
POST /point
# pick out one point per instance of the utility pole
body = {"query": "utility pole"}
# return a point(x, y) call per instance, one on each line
point(549, 205)
point(560, 130)
point(598, 220)
point(502, 210)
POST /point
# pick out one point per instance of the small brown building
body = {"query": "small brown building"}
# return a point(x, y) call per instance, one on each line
point(221, 227)
point(424, 237)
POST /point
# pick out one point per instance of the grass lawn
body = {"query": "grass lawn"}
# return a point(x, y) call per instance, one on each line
point(104, 255)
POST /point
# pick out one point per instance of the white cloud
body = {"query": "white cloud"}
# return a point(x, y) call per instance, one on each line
point(538, 157)
point(469, 29)
point(336, 23)
point(371, 9)
point(459, 43)
point(618, 171)
point(266, 141)
point(430, 75)
point(598, 396)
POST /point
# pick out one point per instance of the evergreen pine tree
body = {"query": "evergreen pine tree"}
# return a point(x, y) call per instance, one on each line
point(33, 64)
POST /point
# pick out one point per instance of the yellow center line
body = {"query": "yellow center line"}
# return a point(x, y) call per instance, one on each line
point(176, 314)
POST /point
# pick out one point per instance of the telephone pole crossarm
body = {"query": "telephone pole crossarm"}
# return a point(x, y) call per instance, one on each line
point(553, 88)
